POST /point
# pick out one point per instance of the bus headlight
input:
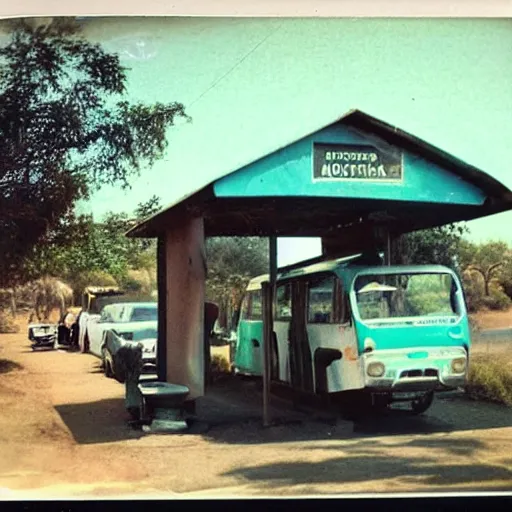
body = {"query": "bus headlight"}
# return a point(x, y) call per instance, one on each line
point(376, 369)
point(459, 365)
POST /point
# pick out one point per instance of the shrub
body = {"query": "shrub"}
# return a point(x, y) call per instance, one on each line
point(490, 379)
point(91, 278)
point(474, 292)
point(497, 300)
point(219, 364)
point(7, 323)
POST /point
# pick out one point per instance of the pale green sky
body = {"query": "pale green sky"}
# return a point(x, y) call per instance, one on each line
point(447, 81)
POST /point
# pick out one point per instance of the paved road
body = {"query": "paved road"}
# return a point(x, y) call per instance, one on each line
point(63, 433)
point(497, 334)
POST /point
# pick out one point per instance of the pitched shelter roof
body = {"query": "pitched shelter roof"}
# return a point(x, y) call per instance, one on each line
point(275, 195)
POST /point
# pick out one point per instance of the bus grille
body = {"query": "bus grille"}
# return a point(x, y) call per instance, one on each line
point(429, 372)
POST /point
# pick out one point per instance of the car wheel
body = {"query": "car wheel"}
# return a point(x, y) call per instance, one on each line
point(107, 369)
point(420, 405)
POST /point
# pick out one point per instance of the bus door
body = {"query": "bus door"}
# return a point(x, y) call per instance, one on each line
point(331, 336)
point(282, 319)
point(301, 364)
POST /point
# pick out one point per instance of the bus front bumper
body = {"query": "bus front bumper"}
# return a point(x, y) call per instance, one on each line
point(402, 373)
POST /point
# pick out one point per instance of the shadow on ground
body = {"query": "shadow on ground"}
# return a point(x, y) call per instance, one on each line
point(235, 416)
point(104, 421)
point(6, 366)
point(372, 467)
point(232, 413)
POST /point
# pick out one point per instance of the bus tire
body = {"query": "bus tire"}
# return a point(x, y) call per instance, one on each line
point(422, 404)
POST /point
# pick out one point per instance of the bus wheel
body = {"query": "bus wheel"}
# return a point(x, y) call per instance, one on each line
point(420, 405)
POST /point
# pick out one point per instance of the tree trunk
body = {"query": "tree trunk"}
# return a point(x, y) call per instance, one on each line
point(486, 285)
point(13, 302)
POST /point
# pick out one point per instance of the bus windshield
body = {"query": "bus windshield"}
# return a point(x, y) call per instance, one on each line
point(382, 296)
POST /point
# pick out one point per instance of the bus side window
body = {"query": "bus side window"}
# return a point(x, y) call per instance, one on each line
point(320, 301)
point(341, 306)
point(244, 309)
point(256, 306)
point(283, 305)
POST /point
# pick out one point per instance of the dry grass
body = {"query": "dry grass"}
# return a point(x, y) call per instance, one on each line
point(487, 319)
point(490, 378)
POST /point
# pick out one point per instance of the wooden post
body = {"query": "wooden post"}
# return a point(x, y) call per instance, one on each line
point(268, 293)
point(185, 277)
point(266, 303)
point(388, 237)
point(161, 357)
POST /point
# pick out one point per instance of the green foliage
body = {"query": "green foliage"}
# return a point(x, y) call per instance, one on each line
point(232, 262)
point(79, 280)
point(65, 130)
point(491, 379)
point(437, 245)
point(84, 252)
point(496, 300)
point(492, 261)
point(474, 291)
point(486, 269)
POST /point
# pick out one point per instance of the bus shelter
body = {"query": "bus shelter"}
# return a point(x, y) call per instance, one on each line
point(357, 183)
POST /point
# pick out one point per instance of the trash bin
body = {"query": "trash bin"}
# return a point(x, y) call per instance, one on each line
point(128, 364)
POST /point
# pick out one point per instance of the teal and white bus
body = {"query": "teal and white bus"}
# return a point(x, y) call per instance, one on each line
point(390, 333)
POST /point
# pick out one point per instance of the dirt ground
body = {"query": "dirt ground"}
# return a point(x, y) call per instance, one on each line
point(493, 319)
point(64, 433)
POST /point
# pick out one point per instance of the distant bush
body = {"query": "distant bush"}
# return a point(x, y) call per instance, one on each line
point(219, 364)
point(474, 292)
point(91, 278)
point(7, 323)
point(496, 301)
point(490, 379)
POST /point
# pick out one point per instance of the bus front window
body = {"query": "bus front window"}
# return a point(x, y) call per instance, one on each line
point(405, 295)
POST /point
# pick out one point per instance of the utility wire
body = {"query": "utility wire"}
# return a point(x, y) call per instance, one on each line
point(215, 82)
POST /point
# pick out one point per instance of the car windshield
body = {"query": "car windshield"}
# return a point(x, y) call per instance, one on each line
point(144, 314)
point(406, 295)
point(145, 334)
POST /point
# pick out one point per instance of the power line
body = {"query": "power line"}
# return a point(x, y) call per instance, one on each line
point(215, 82)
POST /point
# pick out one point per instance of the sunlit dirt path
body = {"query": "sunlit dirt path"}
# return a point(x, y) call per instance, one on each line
point(63, 433)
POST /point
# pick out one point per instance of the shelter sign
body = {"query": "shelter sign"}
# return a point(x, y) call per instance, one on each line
point(340, 162)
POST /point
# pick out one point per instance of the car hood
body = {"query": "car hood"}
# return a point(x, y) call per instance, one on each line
point(135, 326)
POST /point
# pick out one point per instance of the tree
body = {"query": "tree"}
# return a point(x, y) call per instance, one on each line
point(487, 260)
point(65, 130)
point(438, 245)
point(82, 251)
point(232, 262)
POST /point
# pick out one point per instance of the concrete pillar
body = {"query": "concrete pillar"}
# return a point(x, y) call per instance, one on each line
point(185, 276)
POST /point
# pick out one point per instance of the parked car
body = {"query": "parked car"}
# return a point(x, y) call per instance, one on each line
point(94, 298)
point(114, 339)
point(124, 318)
point(42, 335)
point(67, 329)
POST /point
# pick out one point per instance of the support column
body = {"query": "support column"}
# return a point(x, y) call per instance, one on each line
point(268, 294)
point(161, 360)
point(186, 272)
